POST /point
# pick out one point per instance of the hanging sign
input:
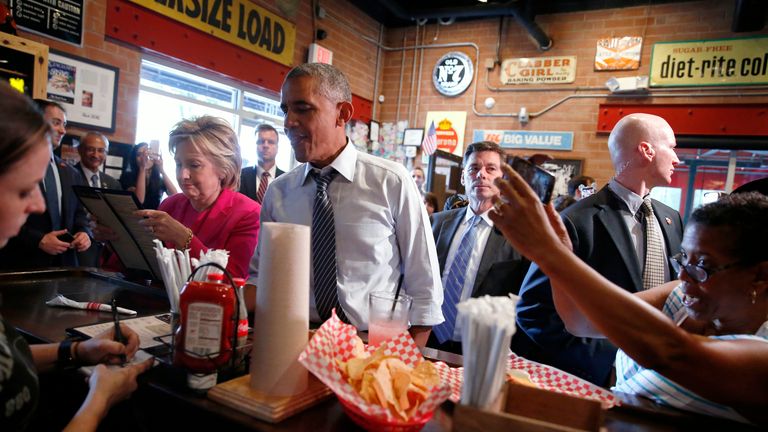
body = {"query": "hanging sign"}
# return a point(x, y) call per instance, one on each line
point(619, 53)
point(60, 19)
point(453, 73)
point(539, 70)
point(239, 22)
point(537, 140)
point(718, 62)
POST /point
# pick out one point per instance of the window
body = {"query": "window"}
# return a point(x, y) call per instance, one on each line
point(167, 95)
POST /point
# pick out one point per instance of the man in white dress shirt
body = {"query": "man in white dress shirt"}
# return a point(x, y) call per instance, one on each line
point(254, 180)
point(381, 226)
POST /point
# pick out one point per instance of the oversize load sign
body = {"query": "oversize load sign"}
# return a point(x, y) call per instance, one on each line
point(538, 140)
point(710, 63)
point(539, 70)
point(239, 22)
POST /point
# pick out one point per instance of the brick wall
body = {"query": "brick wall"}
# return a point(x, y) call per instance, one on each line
point(346, 26)
point(573, 34)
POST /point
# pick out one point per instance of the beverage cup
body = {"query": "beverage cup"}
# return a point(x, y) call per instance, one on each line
point(387, 316)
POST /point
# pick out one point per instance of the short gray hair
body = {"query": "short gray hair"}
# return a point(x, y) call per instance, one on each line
point(94, 135)
point(329, 81)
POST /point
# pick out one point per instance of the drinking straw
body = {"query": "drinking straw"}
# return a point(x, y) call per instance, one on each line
point(397, 295)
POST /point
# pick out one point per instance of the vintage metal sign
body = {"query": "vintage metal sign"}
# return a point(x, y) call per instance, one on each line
point(619, 53)
point(539, 70)
point(718, 62)
point(537, 140)
point(453, 73)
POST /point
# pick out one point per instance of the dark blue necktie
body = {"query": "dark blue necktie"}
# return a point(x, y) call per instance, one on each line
point(454, 283)
point(324, 249)
point(52, 197)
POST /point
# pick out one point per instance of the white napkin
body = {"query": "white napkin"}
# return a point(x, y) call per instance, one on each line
point(60, 300)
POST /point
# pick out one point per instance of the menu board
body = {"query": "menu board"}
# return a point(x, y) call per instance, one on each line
point(57, 19)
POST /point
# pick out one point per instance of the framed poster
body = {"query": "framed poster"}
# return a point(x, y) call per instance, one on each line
point(86, 89)
point(563, 170)
point(413, 137)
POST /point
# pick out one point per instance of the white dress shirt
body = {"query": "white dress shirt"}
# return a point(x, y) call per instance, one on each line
point(633, 203)
point(259, 171)
point(382, 229)
point(483, 231)
point(89, 174)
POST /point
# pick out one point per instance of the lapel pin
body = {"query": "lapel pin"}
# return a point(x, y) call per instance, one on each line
point(669, 221)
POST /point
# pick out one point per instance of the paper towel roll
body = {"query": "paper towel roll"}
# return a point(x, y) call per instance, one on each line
point(281, 319)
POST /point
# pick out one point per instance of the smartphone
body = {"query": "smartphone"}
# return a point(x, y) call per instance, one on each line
point(541, 181)
point(154, 149)
point(66, 237)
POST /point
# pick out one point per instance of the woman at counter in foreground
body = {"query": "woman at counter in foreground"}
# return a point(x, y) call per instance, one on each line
point(25, 152)
point(209, 213)
point(701, 345)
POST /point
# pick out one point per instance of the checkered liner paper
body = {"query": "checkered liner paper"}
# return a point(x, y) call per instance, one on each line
point(333, 341)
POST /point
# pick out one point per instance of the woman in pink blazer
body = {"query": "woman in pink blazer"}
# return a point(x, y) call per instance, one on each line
point(209, 213)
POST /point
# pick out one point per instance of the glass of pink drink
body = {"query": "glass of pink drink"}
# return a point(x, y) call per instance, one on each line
point(387, 316)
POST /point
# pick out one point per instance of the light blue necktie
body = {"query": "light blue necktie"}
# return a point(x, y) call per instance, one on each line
point(454, 283)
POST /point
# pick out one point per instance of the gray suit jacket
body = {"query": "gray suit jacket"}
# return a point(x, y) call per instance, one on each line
point(601, 239)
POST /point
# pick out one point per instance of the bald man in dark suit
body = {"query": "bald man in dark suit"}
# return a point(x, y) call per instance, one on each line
point(608, 234)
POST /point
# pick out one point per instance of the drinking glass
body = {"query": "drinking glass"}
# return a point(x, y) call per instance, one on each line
point(387, 316)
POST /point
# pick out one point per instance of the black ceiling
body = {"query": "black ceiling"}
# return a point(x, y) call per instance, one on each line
point(399, 13)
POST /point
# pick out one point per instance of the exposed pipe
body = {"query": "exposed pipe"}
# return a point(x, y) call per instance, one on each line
point(418, 85)
point(400, 89)
point(413, 76)
point(376, 80)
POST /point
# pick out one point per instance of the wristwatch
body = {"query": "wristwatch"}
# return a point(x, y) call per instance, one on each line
point(65, 357)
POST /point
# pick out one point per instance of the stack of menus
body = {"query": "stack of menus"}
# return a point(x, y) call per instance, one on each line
point(114, 209)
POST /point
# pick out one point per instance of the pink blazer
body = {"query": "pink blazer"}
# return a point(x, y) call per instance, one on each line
point(231, 223)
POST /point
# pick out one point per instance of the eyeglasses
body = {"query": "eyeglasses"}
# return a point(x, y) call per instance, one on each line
point(696, 271)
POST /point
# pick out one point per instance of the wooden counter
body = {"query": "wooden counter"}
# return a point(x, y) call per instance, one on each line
point(161, 403)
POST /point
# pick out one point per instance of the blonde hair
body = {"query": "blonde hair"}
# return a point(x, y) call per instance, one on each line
point(213, 137)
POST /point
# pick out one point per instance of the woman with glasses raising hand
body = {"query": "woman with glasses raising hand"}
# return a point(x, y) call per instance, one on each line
point(699, 344)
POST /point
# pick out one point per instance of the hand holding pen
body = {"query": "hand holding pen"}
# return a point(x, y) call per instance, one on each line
point(118, 332)
point(103, 348)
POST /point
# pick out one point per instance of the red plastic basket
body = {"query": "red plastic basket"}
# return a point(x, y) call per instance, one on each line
point(374, 424)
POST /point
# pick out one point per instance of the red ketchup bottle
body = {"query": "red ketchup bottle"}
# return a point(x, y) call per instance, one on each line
point(204, 338)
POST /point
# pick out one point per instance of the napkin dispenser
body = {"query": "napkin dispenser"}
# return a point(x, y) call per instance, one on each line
point(524, 408)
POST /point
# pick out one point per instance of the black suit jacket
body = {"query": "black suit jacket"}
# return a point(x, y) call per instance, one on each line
point(600, 237)
point(23, 251)
point(248, 181)
point(107, 181)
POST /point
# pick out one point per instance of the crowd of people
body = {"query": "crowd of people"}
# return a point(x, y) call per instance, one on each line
point(611, 278)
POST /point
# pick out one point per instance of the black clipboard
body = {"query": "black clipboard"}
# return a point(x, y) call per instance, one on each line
point(114, 209)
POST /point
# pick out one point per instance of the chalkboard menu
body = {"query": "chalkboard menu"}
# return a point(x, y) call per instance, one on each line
point(57, 19)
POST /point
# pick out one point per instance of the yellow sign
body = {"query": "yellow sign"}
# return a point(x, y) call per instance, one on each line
point(239, 22)
point(710, 63)
point(449, 130)
point(539, 70)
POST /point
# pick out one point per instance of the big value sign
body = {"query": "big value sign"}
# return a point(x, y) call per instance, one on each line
point(239, 22)
point(710, 62)
point(537, 140)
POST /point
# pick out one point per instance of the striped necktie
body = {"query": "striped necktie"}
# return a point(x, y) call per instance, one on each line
point(324, 249)
point(653, 269)
point(262, 186)
point(454, 283)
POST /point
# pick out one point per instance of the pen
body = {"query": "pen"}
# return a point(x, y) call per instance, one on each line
point(118, 333)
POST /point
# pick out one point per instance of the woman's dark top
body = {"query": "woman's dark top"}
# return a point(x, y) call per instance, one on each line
point(19, 388)
point(155, 187)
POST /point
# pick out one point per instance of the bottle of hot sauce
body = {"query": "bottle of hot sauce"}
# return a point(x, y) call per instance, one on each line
point(204, 338)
